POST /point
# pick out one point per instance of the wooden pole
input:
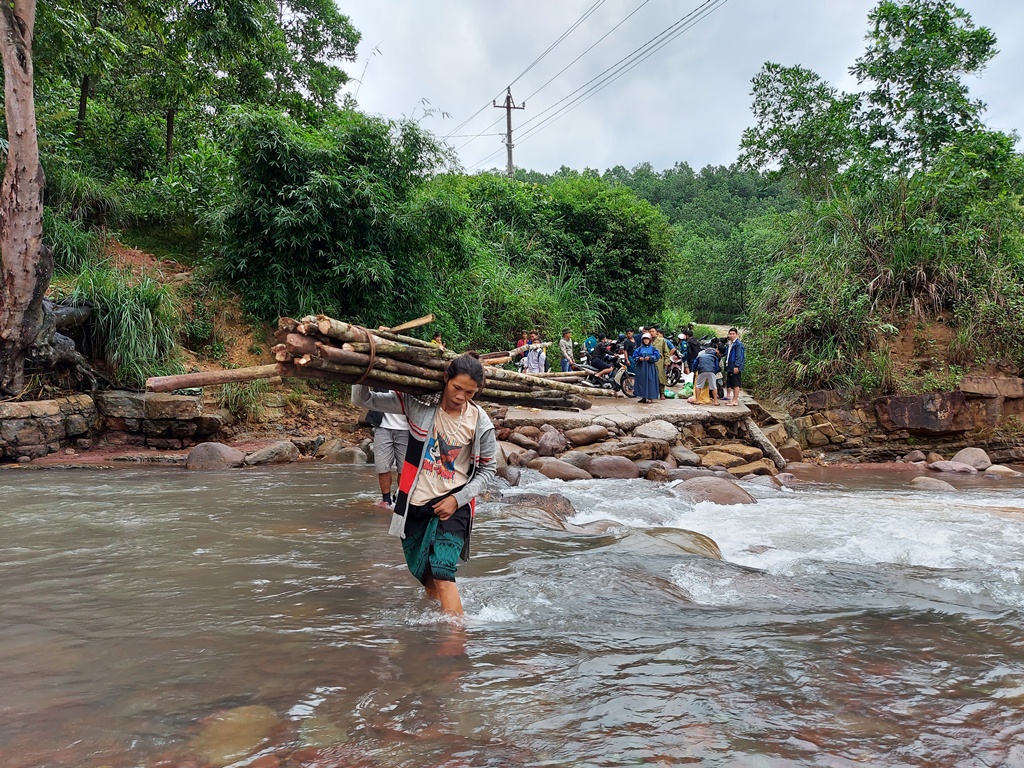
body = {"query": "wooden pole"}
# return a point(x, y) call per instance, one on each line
point(210, 378)
point(408, 326)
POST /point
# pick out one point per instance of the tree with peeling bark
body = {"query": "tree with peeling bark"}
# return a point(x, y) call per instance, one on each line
point(27, 264)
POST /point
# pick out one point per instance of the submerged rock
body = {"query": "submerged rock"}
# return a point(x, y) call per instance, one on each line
point(953, 466)
point(556, 469)
point(214, 456)
point(717, 490)
point(553, 503)
point(997, 470)
point(229, 736)
point(925, 483)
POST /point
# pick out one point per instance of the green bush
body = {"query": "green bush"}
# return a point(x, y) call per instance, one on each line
point(134, 326)
point(244, 399)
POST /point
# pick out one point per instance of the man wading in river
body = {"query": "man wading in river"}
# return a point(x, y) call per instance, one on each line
point(450, 459)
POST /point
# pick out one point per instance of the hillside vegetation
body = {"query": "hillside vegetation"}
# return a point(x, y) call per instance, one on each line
point(850, 223)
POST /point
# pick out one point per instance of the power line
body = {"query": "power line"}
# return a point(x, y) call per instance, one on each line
point(586, 15)
point(617, 70)
point(561, 71)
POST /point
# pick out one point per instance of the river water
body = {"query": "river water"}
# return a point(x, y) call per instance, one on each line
point(852, 622)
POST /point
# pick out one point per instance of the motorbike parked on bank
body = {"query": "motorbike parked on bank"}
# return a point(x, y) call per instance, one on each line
point(619, 379)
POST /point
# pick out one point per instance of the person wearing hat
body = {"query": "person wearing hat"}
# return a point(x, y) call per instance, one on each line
point(565, 349)
point(646, 357)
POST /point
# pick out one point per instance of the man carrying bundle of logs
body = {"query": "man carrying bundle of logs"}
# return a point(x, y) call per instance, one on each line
point(450, 459)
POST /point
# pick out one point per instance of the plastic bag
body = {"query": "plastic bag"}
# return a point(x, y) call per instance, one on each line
point(687, 390)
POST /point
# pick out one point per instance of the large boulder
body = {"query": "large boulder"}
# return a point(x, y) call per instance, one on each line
point(976, 457)
point(551, 443)
point(934, 413)
point(344, 454)
point(720, 459)
point(915, 456)
point(556, 469)
point(657, 430)
point(283, 452)
point(214, 456)
point(717, 490)
point(595, 433)
point(953, 466)
point(684, 456)
point(612, 467)
point(925, 483)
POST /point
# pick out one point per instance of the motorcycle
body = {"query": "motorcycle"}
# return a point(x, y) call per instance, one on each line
point(619, 379)
point(673, 369)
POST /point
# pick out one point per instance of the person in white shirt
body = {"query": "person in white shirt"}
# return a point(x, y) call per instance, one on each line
point(390, 442)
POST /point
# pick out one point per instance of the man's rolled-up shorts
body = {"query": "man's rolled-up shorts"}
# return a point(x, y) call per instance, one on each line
point(705, 380)
point(733, 379)
point(389, 446)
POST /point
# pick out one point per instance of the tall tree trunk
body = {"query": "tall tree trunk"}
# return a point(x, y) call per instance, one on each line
point(170, 137)
point(83, 102)
point(26, 264)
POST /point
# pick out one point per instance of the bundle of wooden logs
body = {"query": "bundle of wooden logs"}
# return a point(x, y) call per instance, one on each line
point(320, 347)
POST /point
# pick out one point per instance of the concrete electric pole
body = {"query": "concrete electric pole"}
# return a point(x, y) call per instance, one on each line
point(508, 106)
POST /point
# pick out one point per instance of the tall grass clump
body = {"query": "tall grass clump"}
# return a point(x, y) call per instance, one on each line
point(135, 323)
point(244, 399)
point(947, 242)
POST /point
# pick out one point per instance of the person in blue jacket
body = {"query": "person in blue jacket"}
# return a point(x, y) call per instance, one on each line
point(735, 357)
point(646, 385)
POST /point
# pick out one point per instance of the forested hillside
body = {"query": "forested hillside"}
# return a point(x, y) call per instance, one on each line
point(219, 135)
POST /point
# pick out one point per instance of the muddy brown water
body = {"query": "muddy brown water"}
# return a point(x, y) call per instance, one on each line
point(853, 621)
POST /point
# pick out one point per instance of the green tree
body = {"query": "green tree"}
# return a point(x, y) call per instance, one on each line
point(802, 128)
point(918, 53)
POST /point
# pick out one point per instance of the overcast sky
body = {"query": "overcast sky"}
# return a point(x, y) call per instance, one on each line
point(689, 102)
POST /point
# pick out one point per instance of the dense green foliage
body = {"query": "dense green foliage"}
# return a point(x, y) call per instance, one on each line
point(345, 219)
point(217, 134)
point(914, 217)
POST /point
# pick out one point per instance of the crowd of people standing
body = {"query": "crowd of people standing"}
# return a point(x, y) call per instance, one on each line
point(714, 363)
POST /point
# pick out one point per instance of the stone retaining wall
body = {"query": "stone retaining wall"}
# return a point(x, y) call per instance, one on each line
point(34, 429)
point(31, 430)
point(832, 424)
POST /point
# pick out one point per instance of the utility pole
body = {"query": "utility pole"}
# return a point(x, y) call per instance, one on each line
point(508, 106)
